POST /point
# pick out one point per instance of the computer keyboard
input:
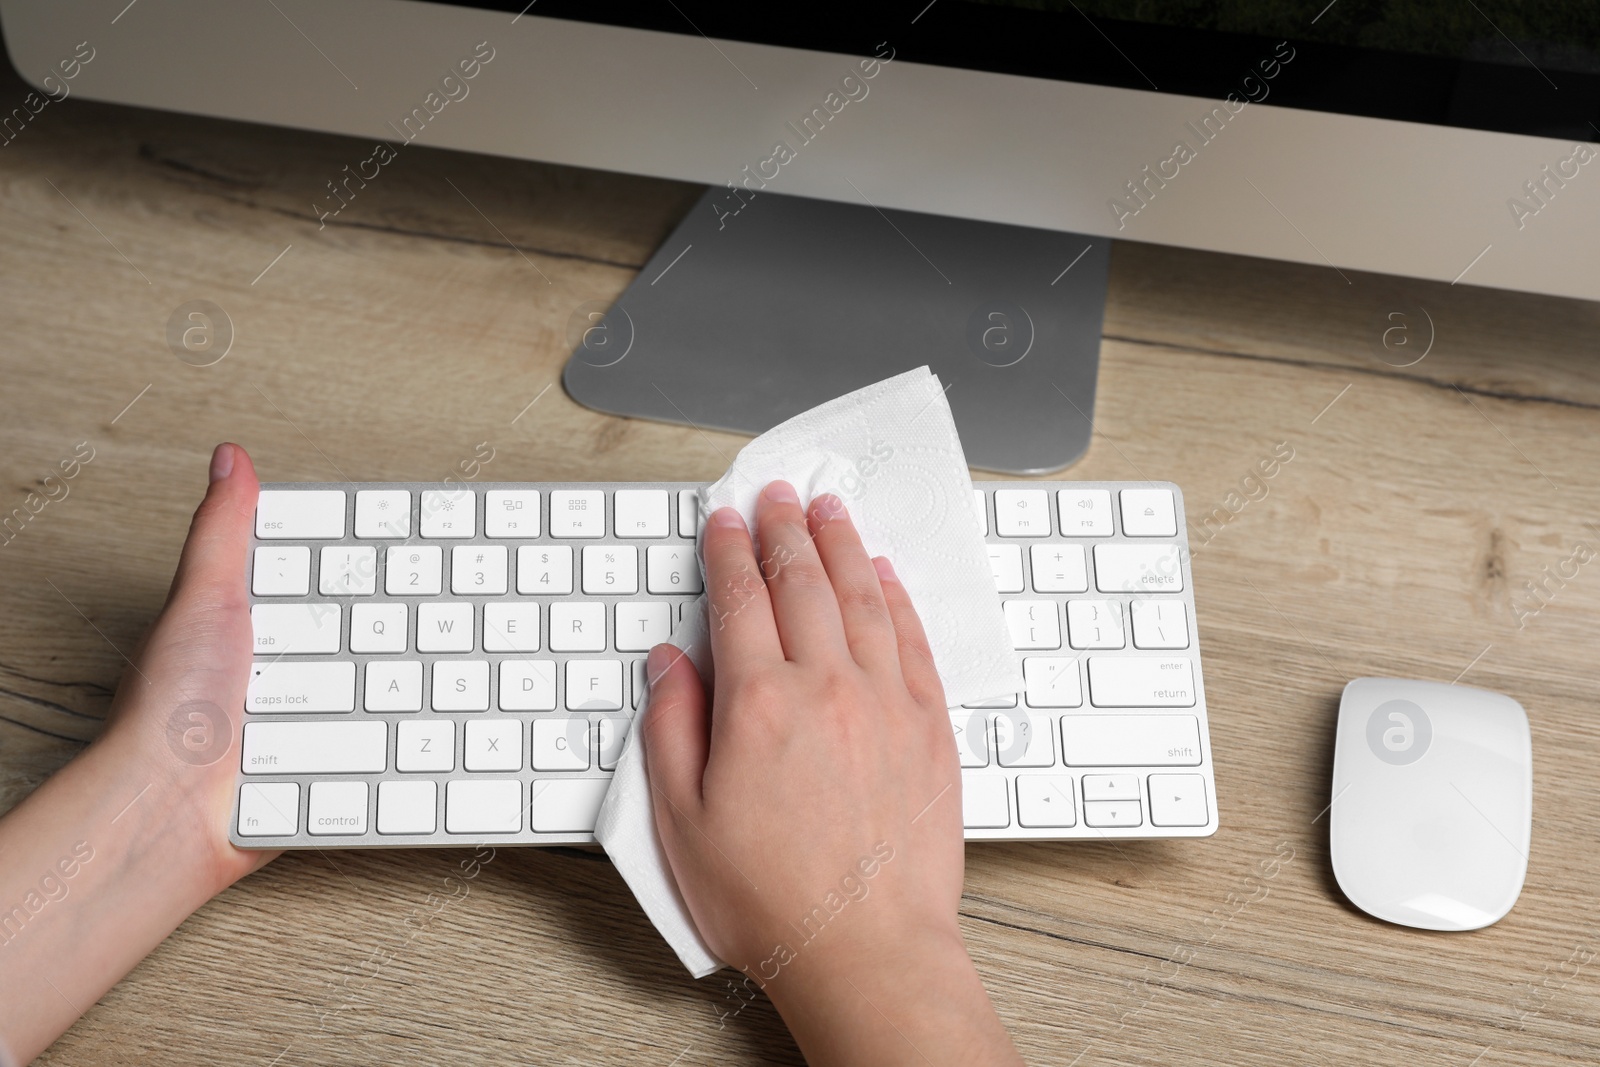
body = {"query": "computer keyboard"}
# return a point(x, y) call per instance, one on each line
point(438, 665)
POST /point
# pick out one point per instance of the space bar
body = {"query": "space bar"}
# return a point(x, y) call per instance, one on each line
point(316, 747)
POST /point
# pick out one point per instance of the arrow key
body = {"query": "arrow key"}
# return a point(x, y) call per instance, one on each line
point(1045, 800)
point(1178, 800)
point(1112, 813)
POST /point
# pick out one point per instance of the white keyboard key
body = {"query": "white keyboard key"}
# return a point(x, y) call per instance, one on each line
point(671, 569)
point(1095, 624)
point(577, 513)
point(577, 627)
point(1024, 740)
point(561, 744)
point(689, 513)
point(408, 807)
point(1111, 787)
point(394, 685)
point(413, 570)
point(985, 801)
point(1140, 682)
point(528, 685)
point(639, 682)
point(511, 513)
point(1045, 801)
point(300, 514)
point(1052, 682)
point(1178, 800)
point(279, 685)
point(981, 505)
point(1058, 569)
point(1160, 623)
point(383, 513)
point(344, 747)
point(1148, 513)
point(281, 571)
point(348, 571)
point(609, 569)
point(269, 809)
point(1005, 561)
point(544, 569)
point(296, 629)
point(444, 627)
point(478, 570)
point(449, 513)
point(461, 685)
point(337, 808)
point(1033, 623)
point(642, 624)
point(423, 745)
point(1021, 513)
point(1112, 813)
point(567, 807)
point(511, 626)
point(1084, 512)
point(613, 736)
point(639, 512)
point(1138, 568)
point(379, 627)
point(492, 745)
point(594, 685)
point(483, 807)
point(1130, 741)
point(972, 739)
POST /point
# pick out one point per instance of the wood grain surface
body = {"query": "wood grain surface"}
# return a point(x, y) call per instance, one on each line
point(423, 320)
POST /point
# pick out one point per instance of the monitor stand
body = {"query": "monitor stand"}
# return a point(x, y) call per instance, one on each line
point(756, 309)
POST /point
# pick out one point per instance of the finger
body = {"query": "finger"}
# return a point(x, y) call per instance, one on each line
point(868, 630)
point(214, 565)
point(916, 658)
point(803, 602)
point(744, 636)
point(677, 729)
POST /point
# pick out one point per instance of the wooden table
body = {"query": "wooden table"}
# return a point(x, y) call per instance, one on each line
point(1398, 540)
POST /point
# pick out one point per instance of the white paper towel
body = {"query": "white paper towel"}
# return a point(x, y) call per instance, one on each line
point(891, 453)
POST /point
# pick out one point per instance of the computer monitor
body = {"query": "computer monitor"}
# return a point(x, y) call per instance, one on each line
point(1447, 142)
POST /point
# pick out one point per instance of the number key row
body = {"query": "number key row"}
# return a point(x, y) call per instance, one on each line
point(418, 570)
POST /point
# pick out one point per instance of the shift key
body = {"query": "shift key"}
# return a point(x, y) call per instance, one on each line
point(286, 747)
point(1130, 740)
point(279, 686)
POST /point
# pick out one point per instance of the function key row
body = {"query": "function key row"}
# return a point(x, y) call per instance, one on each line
point(319, 514)
point(1080, 512)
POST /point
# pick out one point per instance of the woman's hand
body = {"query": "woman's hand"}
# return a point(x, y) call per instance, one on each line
point(811, 808)
point(108, 856)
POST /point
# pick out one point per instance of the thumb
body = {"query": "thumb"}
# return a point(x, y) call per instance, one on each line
point(214, 566)
point(677, 728)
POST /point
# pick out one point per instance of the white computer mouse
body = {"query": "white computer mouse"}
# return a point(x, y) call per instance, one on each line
point(1432, 810)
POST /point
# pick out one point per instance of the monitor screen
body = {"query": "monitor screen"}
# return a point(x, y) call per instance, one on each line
point(1531, 68)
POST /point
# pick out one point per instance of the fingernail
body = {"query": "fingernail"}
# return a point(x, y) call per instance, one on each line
point(222, 462)
point(885, 569)
point(726, 517)
point(781, 492)
point(658, 662)
point(828, 506)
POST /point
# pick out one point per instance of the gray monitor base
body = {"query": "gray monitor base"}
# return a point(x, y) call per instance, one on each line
point(760, 307)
